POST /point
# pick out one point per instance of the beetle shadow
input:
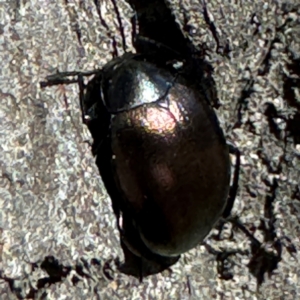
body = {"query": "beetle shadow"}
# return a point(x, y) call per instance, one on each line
point(160, 40)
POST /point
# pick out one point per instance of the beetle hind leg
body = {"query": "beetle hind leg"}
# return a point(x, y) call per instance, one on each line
point(235, 184)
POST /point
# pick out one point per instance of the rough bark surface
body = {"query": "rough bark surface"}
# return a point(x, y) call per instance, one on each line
point(58, 236)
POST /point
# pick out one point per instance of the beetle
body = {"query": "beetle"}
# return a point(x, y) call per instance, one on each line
point(159, 148)
point(161, 153)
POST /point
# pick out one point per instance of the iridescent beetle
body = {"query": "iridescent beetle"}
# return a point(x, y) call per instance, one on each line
point(161, 154)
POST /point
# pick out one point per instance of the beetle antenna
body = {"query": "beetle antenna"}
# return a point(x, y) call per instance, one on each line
point(146, 40)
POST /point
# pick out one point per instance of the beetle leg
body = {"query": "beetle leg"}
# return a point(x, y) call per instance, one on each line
point(88, 110)
point(62, 78)
point(87, 113)
point(56, 81)
point(235, 183)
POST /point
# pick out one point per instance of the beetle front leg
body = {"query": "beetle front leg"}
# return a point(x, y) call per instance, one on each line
point(62, 78)
point(87, 112)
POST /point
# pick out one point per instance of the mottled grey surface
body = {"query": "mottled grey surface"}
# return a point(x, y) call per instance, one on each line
point(52, 199)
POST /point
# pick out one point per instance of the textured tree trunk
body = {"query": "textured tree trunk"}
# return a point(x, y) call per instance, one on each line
point(58, 234)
